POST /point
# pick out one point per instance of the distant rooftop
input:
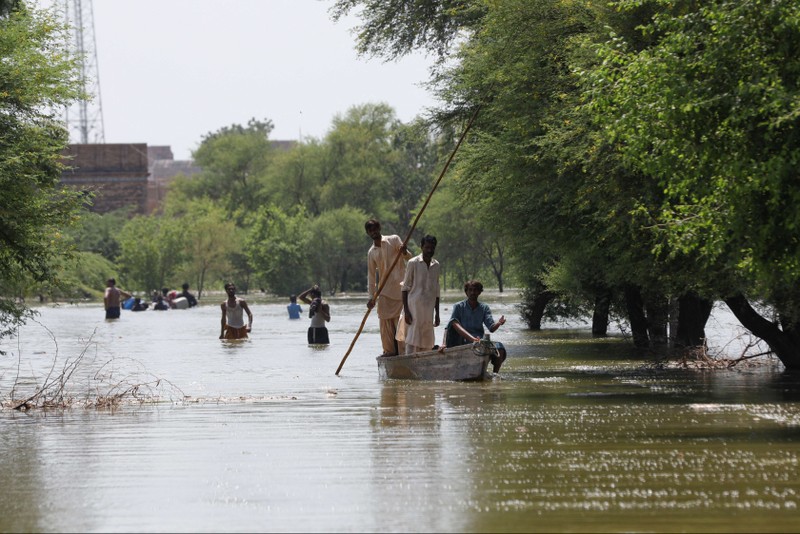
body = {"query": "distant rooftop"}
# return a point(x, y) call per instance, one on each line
point(159, 152)
point(164, 170)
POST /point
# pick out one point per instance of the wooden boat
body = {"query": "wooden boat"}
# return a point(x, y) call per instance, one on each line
point(464, 362)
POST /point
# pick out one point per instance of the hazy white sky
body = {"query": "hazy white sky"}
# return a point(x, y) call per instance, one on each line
point(173, 70)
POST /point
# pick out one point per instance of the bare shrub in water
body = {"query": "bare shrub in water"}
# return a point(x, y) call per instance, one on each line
point(107, 387)
point(700, 358)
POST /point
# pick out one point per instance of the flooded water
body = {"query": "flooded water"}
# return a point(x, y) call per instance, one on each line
point(574, 435)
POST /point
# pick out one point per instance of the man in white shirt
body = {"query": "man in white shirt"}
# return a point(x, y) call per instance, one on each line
point(380, 258)
point(420, 299)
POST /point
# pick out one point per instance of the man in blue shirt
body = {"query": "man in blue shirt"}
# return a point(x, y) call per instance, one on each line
point(468, 319)
point(294, 308)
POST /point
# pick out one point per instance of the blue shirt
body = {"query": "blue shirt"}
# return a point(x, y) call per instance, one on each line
point(473, 321)
point(294, 310)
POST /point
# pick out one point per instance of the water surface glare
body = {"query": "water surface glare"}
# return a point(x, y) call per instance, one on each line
point(261, 435)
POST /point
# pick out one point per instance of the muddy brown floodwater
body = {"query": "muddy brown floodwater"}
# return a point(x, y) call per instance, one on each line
point(575, 434)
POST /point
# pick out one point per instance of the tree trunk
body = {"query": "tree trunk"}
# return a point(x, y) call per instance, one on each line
point(636, 316)
point(496, 264)
point(602, 307)
point(657, 319)
point(784, 343)
point(693, 314)
point(535, 300)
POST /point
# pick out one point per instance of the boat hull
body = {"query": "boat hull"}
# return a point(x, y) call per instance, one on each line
point(465, 362)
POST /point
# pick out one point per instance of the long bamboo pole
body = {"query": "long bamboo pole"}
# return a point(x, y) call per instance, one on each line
point(385, 277)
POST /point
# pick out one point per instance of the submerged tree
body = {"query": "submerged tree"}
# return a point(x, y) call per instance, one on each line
point(556, 159)
point(711, 110)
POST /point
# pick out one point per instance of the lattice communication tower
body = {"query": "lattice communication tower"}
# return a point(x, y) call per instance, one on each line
point(84, 118)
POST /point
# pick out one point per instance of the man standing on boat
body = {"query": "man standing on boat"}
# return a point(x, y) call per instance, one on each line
point(467, 321)
point(380, 257)
point(420, 295)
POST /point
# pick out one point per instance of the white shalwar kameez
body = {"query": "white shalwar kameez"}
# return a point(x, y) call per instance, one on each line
point(422, 284)
point(390, 305)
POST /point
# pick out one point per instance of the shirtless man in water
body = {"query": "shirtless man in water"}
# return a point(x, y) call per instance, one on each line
point(111, 299)
point(233, 310)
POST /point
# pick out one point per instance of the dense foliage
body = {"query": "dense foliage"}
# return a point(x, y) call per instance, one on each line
point(638, 153)
point(280, 219)
point(37, 76)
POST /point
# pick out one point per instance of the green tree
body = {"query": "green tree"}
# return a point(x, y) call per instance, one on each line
point(234, 160)
point(357, 168)
point(413, 166)
point(369, 160)
point(276, 247)
point(210, 240)
point(710, 110)
point(523, 174)
point(536, 169)
point(99, 233)
point(394, 28)
point(38, 76)
point(82, 276)
point(295, 178)
point(151, 249)
point(337, 253)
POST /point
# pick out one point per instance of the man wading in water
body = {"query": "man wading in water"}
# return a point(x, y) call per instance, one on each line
point(319, 312)
point(112, 297)
point(233, 311)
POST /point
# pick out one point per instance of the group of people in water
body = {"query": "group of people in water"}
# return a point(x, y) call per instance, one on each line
point(407, 301)
point(115, 299)
point(169, 299)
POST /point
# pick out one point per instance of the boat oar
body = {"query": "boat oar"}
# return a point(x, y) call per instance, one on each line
point(408, 236)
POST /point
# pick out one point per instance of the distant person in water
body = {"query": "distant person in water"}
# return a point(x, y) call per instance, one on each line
point(188, 296)
point(160, 304)
point(319, 312)
point(138, 305)
point(233, 310)
point(111, 299)
point(294, 308)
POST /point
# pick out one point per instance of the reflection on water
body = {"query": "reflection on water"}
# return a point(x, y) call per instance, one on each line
point(261, 435)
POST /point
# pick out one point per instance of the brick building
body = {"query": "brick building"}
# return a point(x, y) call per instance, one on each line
point(115, 173)
point(128, 174)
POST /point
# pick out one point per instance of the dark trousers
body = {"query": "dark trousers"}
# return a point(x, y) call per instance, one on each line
point(318, 335)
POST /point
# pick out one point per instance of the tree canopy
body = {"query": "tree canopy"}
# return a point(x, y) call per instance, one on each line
point(38, 77)
point(644, 149)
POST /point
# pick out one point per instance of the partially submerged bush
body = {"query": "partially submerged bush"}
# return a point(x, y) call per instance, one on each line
point(108, 386)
